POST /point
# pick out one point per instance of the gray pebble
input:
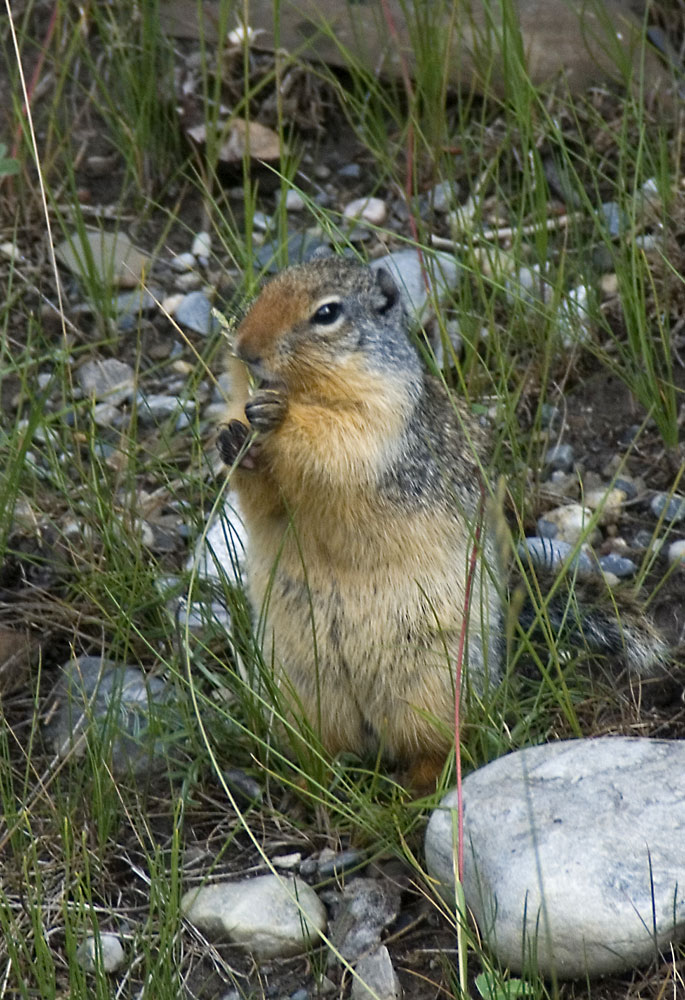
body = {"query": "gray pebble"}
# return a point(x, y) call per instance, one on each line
point(155, 408)
point(297, 248)
point(559, 457)
point(671, 507)
point(339, 863)
point(547, 529)
point(676, 552)
point(615, 218)
point(627, 486)
point(620, 566)
point(110, 380)
point(194, 311)
point(550, 416)
point(107, 953)
point(183, 262)
point(350, 172)
point(443, 196)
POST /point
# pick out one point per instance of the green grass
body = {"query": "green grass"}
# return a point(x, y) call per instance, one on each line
point(86, 850)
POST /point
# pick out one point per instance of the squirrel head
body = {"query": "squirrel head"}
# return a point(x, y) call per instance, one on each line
point(325, 320)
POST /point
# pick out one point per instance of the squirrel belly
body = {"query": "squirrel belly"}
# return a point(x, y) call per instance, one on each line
point(365, 512)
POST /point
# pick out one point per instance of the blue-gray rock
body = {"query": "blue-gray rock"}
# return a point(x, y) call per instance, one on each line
point(155, 408)
point(219, 555)
point(672, 508)
point(119, 706)
point(573, 854)
point(194, 311)
point(551, 554)
point(559, 456)
point(298, 247)
point(104, 952)
point(620, 566)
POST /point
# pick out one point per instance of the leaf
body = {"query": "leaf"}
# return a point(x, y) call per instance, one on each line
point(506, 989)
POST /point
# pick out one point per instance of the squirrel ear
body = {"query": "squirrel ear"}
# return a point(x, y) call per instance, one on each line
point(388, 289)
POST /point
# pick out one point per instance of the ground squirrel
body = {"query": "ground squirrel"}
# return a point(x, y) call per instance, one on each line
point(366, 510)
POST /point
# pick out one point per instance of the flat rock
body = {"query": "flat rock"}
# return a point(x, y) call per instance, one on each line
point(110, 257)
point(271, 916)
point(194, 311)
point(104, 952)
point(219, 555)
point(109, 380)
point(368, 907)
point(573, 856)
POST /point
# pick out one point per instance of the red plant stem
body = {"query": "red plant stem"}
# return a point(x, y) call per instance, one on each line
point(459, 671)
point(35, 76)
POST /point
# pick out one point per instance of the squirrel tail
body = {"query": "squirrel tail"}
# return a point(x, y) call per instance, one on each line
point(623, 636)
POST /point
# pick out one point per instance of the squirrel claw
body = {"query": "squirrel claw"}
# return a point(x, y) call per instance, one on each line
point(266, 410)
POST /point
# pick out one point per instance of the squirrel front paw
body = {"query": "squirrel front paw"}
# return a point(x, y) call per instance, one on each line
point(232, 440)
point(266, 410)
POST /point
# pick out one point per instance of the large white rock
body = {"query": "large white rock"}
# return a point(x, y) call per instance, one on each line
point(574, 855)
point(271, 916)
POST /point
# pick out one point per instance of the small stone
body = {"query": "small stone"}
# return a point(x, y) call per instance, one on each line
point(551, 555)
point(106, 415)
point(294, 202)
point(339, 863)
point(191, 281)
point(195, 313)
point(676, 552)
point(610, 502)
point(626, 486)
point(443, 196)
point(616, 219)
point(287, 861)
point(107, 953)
point(618, 566)
point(111, 380)
point(155, 408)
point(220, 552)
point(10, 250)
point(371, 210)
point(183, 262)
point(550, 417)
point(559, 457)
point(262, 222)
point(202, 246)
point(569, 523)
point(350, 172)
point(671, 508)
point(271, 916)
point(608, 285)
point(298, 247)
point(589, 829)
point(376, 978)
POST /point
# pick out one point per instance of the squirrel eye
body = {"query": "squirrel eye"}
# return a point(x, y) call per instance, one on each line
point(328, 313)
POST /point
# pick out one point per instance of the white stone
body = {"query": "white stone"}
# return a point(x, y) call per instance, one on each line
point(294, 202)
point(376, 978)
point(572, 523)
point(219, 555)
point(271, 916)
point(573, 853)
point(183, 262)
point(109, 956)
point(676, 552)
point(202, 245)
point(609, 501)
point(372, 210)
